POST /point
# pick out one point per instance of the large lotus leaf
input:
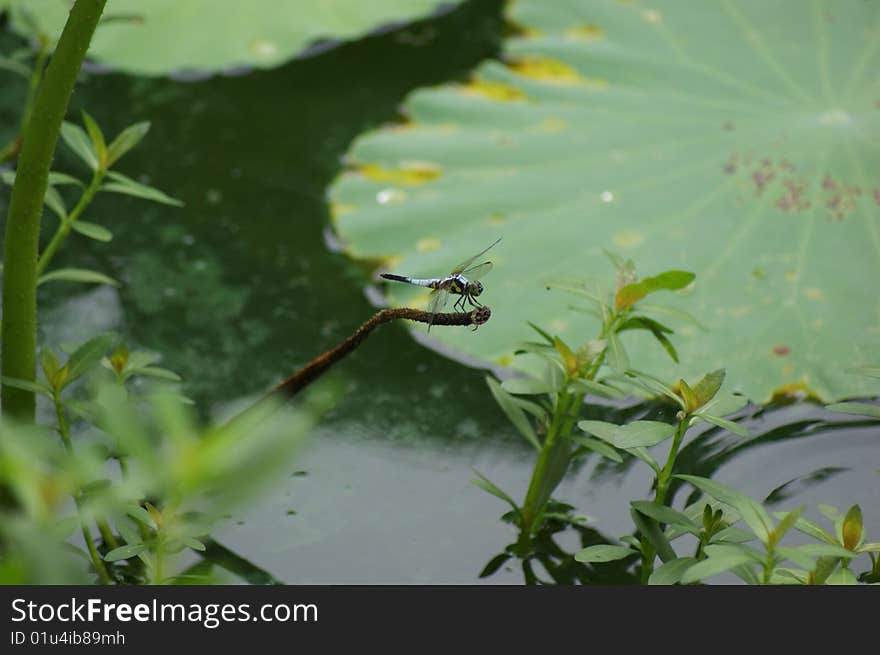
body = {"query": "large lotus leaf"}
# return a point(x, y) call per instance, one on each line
point(156, 37)
point(735, 139)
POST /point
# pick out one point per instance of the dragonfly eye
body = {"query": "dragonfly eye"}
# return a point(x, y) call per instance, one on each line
point(476, 288)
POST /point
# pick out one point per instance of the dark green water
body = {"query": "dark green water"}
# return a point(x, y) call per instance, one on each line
point(239, 288)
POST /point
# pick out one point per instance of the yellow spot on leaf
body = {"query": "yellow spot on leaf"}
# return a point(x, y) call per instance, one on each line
point(652, 16)
point(794, 392)
point(585, 32)
point(504, 360)
point(546, 70)
point(338, 209)
point(552, 124)
point(813, 293)
point(497, 91)
point(558, 325)
point(792, 276)
point(409, 173)
point(497, 219)
point(628, 239)
point(428, 244)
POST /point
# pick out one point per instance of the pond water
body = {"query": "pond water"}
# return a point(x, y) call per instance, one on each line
point(239, 288)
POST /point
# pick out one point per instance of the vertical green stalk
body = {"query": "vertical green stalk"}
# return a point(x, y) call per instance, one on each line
point(663, 480)
point(21, 243)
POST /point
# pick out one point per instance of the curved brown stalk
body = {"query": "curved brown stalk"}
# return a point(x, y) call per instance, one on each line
point(311, 371)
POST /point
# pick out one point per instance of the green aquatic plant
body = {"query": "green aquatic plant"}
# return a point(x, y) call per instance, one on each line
point(546, 410)
point(146, 480)
point(35, 186)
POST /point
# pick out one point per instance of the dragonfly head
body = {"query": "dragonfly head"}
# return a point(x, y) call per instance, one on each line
point(475, 288)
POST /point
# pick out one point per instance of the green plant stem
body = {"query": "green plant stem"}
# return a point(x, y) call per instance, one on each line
point(565, 415)
point(665, 476)
point(67, 223)
point(768, 564)
point(64, 431)
point(21, 243)
point(106, 533)
point(663, 480)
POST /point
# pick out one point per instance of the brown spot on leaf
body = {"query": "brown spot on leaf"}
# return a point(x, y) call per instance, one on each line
point(781, 350)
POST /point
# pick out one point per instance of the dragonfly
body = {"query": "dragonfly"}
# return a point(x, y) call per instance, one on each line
point(463, 280)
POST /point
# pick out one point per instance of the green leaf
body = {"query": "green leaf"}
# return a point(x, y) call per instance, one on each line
point(526, 386)
point(93, 231)
point(655, 385)
point(717, 562)
point(842, 577)
point(513, 412)
point(126, 185)
point(598, 446)
point(62, 179)
point(810, 529)
point(628, 125)
point(671, 572)
point(125, 552)
point(616, 355)
point(603, 553)
point(752, 512)
point(787, 522)
point(156, 372)
point(645, 456)
point(602, 429)
point(826, 550)
point(544, 335)
point(651, 532)
point(638, 434)
point(77, 275)
point(664, 514)
point(708, 386)
point(55, 202)
point(723, 423)
point(732, 534)
point(99, 145)
point(486, 485)
point(643, 434)
point(797, 556)
point(27, 385)
point(861, 409)
point(77, 140)
point(588, 387)
point(669, 280)
point(724, 404)
point(9, 64)
point(140, 515)
point(195, 544)
point(87, 356)
point(170, 36)
point(126, 140)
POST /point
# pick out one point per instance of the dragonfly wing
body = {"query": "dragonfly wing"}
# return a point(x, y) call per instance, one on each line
point(477, 272)
point(438, 300)
point(470, 260)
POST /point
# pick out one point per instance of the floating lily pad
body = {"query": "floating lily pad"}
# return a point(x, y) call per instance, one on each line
point(166, 36)
point(738, 140)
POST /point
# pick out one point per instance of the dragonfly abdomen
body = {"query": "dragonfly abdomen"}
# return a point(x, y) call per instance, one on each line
point(432, 283)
